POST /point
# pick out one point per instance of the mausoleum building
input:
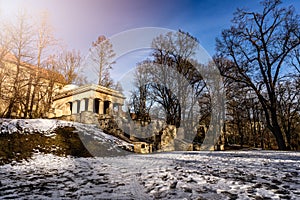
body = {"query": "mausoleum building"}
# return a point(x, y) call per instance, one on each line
point(74, 101)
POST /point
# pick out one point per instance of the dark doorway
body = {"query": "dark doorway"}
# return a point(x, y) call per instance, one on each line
point(71, 106)
point(78, 106)
point(96, 105)
point(86, 106)
point(106, 107)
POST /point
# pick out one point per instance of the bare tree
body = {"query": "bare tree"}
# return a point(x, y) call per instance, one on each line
point(54, 81)
point(70, 67)
point(288, 96)
point(295, 59)
point(240, 112)
point(141, 101)
point(118, 87)
point(5, 48)
point(102, 54)
point(259, 44)
point(5, 43)
point(173, 53)
point(27, 83)
point(44, 40)
point(169, 82)
point(22, 36)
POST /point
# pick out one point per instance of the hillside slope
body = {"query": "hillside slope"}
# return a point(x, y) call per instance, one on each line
point(19, 139)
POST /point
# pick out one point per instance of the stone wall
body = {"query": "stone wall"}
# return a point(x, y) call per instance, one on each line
point(168, 136)
point(142, 147)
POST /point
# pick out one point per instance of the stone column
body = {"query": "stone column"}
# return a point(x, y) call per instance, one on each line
point(67, 109)
point(82, 105)
point(90, 104)
point(110, 108)
point(101, 107)
point(74, 107)
point(78, 106)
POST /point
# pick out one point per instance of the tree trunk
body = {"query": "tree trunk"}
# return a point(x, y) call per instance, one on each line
point(277, 132)
point(279, 139)
point(27, 100)
point(9, 109)
point(32, 101)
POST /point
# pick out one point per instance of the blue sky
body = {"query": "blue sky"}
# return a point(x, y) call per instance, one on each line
point(79, 22)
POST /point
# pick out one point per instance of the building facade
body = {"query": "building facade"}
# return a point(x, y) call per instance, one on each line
point(78, 103)
point(26, 90)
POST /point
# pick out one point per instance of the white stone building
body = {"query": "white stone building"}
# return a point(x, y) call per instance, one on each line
point(80, 103)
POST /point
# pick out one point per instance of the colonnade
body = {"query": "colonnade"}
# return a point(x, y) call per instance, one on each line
point(93, 105)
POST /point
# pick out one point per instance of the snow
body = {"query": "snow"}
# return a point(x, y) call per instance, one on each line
point(173, 175)
point(47, 127)
point(28, 126)
point(69, 87)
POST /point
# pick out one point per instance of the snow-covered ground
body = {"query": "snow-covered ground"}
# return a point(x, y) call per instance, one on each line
point(47, 128)
point(174, 175)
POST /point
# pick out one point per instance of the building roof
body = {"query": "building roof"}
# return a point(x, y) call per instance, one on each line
point(90, 87)
point(69, 87)
point(44, 73)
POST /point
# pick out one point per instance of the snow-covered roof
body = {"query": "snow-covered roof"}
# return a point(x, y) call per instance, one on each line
point(69, 87)
point(74, 89)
